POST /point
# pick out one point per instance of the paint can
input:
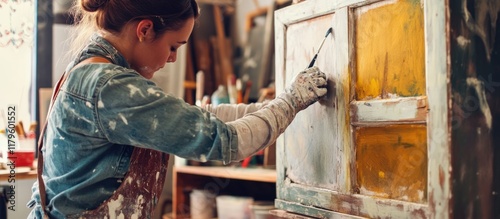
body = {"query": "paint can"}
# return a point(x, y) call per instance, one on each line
point(202, 204)
point(220, 96)
point(233, 207)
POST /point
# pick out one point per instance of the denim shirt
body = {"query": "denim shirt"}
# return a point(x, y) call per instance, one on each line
point(102, 112)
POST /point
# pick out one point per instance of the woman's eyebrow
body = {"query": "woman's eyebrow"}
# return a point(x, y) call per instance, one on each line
point(182, 42)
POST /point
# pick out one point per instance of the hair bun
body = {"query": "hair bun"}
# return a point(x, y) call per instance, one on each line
point(93, 5)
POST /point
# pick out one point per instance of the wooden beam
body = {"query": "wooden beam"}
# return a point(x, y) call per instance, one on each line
point(411, 109)
point(226, 66)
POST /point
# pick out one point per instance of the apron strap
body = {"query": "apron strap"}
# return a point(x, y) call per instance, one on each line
point(41, 184)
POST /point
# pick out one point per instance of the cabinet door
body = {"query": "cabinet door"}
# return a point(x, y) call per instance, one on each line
point(373, 147)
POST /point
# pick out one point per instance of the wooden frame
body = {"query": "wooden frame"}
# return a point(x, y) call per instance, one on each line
point(342, 200)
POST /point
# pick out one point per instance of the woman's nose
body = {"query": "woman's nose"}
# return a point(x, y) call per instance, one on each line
point(172, 57)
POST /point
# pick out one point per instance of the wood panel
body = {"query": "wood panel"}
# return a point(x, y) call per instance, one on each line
point(389, 48)
point(392, 161)
point(438, 122)
point(304, 146)
point(306, 200)
point(412, 109)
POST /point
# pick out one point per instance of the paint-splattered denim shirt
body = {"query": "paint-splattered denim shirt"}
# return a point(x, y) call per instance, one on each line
point(102, 111)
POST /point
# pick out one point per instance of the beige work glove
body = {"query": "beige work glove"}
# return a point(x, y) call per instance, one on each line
point(260, 129)
point(231, 112)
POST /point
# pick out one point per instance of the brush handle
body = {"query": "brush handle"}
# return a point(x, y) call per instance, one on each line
point(313, 60)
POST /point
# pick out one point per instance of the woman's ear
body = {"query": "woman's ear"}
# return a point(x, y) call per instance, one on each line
point(145, 30)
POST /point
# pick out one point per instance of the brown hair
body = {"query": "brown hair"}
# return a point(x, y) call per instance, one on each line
point(113, 15)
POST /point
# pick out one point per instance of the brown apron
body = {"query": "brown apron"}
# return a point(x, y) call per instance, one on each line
point(141, 188)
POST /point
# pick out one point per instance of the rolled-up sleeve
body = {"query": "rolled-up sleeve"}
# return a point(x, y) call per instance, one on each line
point(134, 111)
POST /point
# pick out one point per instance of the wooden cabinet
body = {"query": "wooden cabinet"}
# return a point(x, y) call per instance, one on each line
point(378, 146)
point(258, 183)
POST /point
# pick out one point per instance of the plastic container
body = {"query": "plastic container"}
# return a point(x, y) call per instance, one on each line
point(220, 96)
point(23, 158)
point(233, 207)
point(202, 204)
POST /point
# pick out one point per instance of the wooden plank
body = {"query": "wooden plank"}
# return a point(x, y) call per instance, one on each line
point(190, 84)
point(218, 72)
point(253, 174)
point(225, 59)
point(310, 9)
point(279, 53)
point(439, 92)
point(250, 16)
point(357, 205)
point(313, 212)
point(189, 80)
point(389, 110)
point(204, 62)
point(267, 50)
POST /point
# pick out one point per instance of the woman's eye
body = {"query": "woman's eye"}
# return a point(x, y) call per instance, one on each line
point(173, 49)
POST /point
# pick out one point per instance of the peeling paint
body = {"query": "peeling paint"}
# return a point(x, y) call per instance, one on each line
point(462, 41)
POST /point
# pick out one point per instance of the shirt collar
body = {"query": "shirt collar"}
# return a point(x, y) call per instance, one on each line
point(98, 46)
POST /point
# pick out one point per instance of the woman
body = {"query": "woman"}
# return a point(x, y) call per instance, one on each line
point(110, 129)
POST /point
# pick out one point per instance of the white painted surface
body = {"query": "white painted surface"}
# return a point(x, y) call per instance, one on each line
point(438, 124)
point(388, 110)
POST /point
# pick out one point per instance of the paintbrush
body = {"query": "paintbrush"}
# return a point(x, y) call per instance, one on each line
point(330, 30)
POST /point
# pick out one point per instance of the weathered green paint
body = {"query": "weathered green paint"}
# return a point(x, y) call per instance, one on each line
point(359, 205)
point(311, 211)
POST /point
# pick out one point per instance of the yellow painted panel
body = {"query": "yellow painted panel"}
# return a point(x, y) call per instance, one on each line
point(389, 48)
point(391, 161)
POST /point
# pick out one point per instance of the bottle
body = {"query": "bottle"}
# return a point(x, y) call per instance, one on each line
point(220, 96)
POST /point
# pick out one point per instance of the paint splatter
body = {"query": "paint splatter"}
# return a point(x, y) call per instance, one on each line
point(112, 124)
point(114, 206)
point(134, 90)
point(151, 91)
point(203, 158)
point(154, 124)
point(123, 118)
point(463, 42)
